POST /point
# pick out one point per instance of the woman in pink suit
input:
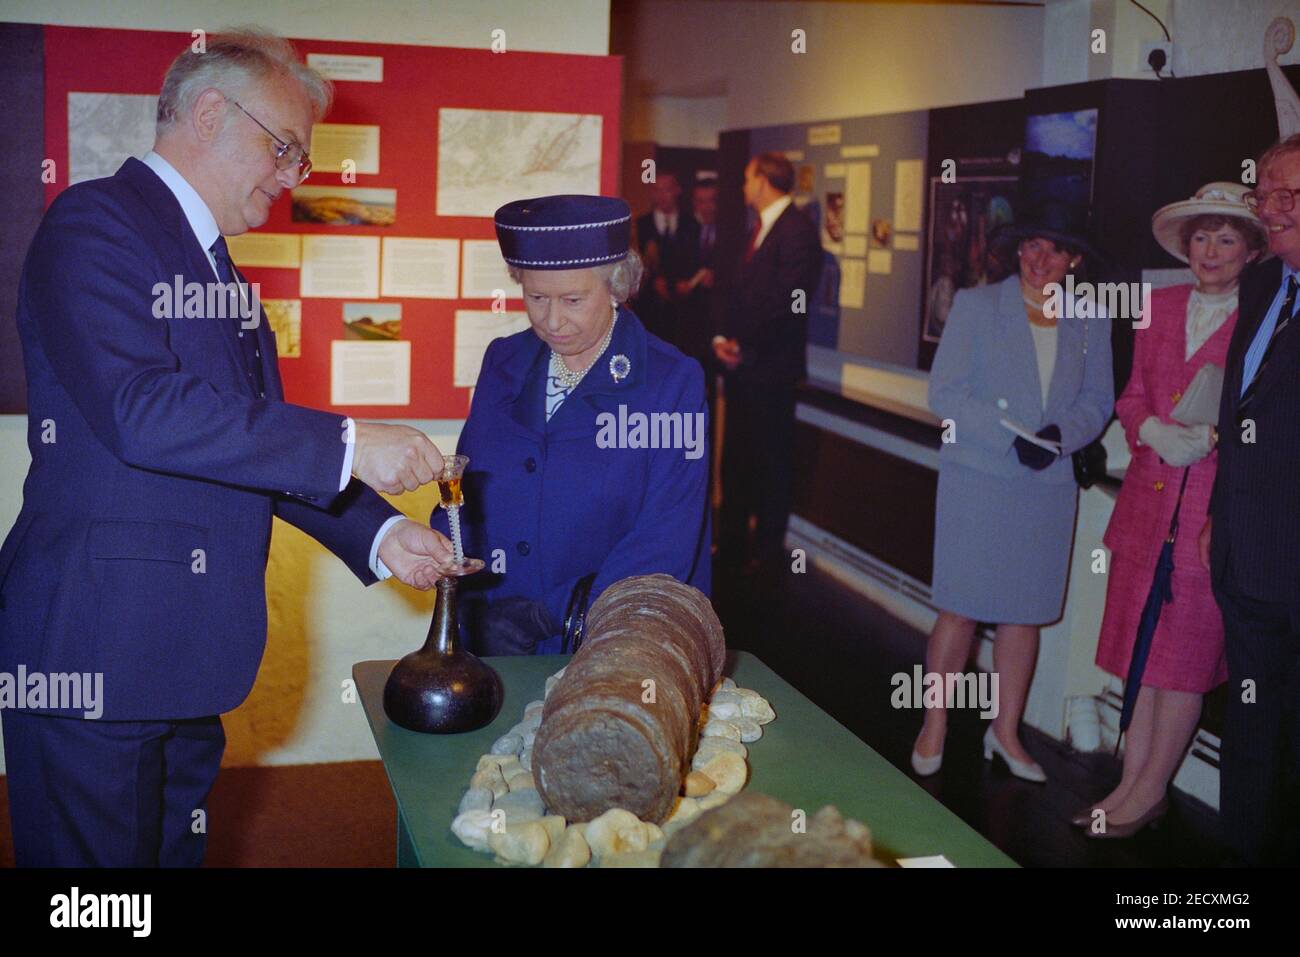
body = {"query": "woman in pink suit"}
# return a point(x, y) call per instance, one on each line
point(1190, 326)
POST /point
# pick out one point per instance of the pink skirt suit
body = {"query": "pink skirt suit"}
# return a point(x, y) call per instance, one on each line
point(1187, 648)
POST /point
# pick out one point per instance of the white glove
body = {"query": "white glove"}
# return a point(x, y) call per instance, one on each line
point(1177, 445)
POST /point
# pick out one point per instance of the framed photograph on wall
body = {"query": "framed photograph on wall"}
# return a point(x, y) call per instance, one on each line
point(962, 215)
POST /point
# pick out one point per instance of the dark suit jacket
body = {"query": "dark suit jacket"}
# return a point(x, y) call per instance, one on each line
point(659, 315)
point(1255, 505)
point(694, 328)
point(759, 310)
point(140, 550)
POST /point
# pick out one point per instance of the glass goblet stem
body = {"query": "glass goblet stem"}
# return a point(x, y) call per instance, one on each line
point(453, 519)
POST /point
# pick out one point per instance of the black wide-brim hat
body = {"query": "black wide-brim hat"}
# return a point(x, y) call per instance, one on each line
point(1063, 223)
point(563, 232)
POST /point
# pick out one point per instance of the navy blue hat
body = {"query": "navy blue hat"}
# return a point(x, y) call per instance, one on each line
point(563, 232)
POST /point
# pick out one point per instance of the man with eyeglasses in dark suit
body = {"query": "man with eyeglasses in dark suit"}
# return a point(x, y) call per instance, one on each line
point(1251, 540)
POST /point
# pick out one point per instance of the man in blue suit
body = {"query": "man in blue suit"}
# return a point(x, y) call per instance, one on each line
point(161, 448)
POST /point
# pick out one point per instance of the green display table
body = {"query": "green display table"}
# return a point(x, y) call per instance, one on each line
point(805, 758)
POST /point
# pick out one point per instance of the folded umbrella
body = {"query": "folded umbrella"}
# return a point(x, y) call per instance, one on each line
point(1161, 594)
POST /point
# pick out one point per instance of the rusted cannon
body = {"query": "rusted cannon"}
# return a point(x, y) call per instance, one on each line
point(619, 728)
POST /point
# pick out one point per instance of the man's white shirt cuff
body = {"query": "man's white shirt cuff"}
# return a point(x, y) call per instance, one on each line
point(351, 440)
point(376, 563)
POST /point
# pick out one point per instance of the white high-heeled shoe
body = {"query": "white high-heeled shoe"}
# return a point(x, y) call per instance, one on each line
point(924, 767)
point(1025, 770)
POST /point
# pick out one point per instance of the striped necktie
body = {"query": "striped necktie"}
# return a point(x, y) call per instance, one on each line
point(1283, 322)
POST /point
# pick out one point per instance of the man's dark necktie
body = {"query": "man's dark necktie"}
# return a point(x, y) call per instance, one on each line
point(752, 246)
point(1283, 323)
point(246, 338)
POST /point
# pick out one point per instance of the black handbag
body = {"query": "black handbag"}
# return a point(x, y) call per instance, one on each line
point(1089, 463)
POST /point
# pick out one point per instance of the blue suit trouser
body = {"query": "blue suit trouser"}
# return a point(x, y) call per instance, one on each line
point(93, 793)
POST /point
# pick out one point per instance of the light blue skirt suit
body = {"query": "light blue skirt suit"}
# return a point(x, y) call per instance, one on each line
point(1003, 532)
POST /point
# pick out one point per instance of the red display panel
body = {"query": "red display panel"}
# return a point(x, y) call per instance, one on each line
point(417, 82)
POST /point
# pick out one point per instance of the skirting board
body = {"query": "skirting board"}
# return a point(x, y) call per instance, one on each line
point(909, 601)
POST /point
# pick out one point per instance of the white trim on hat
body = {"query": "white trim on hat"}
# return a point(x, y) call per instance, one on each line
point(565, 262)
point(608, 222)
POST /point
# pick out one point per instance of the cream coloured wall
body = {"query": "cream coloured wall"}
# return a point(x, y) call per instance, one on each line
point(321, 619)
point(861, 59)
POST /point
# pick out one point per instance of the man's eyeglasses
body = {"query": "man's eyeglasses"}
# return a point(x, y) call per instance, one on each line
point(1283, 199)
point(287, 155)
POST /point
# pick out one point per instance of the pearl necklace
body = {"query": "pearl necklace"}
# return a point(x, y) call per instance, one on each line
point(569, 379)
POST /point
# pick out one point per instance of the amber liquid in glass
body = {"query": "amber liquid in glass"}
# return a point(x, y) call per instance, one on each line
point(449, 493)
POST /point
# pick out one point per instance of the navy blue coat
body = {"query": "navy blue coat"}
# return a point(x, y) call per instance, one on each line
point(162, 451)
point(551, 505)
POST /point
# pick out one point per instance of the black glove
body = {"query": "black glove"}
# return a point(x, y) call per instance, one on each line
point(507, 626)
point(1033, 456)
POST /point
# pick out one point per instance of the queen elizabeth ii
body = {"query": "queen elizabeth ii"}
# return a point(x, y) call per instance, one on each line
point(559, 504)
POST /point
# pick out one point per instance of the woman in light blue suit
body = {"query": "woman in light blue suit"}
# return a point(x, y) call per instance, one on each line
point(587, 437)
point(1005, 512)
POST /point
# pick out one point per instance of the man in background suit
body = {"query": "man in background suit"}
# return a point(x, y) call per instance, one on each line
point(692, 274)
point(1252, 535)
point(762, 350)
point(657, 238)
point(161, 447)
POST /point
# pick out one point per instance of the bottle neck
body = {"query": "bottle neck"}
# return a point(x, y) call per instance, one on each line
point(443, 633)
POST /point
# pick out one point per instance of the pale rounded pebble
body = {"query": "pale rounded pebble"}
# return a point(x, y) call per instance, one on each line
point(508, 744)
point(716, 799)
point(490, 761)
point(725, 710)
point(490, 778)
point(757, 709)
point(475, 799)
point(555, 828)
point(728, 684)
point(706, 754)
point(748, 728)
point(570, 851)
point(617, 831)
point(529, 738)
point(521, 779)
point(524, 804)
point(728, 772)
point(526, 759)
point(473, 828)
point(525, 843)
point(653, 833)
point(684, 811)
point(712, 746)
point(531, 724)
point(521, 729)
point(699, 784)
point(719, 728)
point(725, 697)
point(534, 707)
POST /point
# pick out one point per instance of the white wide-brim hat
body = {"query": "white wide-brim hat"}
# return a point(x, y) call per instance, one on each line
point(1212, 199)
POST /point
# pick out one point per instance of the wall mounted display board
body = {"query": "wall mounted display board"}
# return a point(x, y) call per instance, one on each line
point(380, 275)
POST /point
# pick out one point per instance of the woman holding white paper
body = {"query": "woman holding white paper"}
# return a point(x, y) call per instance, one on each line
point(1018, 389)
point(1190, 328)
